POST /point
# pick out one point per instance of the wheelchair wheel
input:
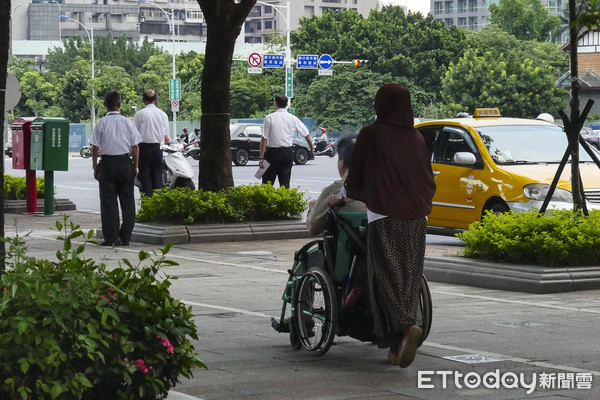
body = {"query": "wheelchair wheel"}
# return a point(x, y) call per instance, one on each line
point(316, 311)
point(424, 315)
point(294, 337)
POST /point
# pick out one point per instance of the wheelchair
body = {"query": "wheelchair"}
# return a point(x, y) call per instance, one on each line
point(323, 286)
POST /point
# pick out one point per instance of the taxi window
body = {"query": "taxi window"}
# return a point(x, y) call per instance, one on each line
point(253, 131)
point(527, 144)
point(430, 134)
point(450, 142)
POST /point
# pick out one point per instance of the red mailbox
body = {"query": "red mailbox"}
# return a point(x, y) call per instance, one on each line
point(21, 142)
point(21, 139)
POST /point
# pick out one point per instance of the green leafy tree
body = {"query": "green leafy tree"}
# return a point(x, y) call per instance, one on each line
point(252, 94)
point(413, 49)
point(342, 102)
point(498, 41)
point(525, 19)
point(115, 78)
point(72, 89)
point(519, 88)
point(189, 69)
point(158, 71)
point(38, 92)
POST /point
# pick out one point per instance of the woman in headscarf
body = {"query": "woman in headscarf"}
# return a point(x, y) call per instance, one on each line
point(391, 173)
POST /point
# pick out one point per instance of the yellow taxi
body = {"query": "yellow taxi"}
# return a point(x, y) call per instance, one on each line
point(487, 162)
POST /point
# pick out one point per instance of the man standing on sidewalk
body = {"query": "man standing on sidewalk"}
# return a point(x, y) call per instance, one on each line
point(276, 143)
point(153, 125)
point(114, 137)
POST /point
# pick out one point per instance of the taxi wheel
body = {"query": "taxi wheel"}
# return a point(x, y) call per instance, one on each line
point(496, 208)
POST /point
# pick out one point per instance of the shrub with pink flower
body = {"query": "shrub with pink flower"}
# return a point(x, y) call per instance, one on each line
point(166, 344)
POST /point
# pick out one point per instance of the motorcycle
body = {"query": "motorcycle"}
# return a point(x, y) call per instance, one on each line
point(177, 172)
point(192, 149)
point(323, 148)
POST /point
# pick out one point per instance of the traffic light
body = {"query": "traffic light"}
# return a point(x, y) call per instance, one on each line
point(359, 63)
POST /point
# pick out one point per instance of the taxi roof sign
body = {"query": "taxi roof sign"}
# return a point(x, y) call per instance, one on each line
point(486, 112)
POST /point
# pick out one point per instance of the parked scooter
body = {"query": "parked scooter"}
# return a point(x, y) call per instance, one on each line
point(323, 148)
point(177, 172)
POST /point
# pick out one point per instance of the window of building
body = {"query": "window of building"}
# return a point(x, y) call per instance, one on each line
point(449, 7)
point(268, 10)
point(268, 25)
point(472, 23)
point(332, 1)
point(462, 21)
point(438, 8)
point(309, 11)
point(462, 6)
point(472, 5)
point(449, 22)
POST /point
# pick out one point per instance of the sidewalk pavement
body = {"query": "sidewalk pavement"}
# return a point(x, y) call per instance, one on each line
point(508, 345)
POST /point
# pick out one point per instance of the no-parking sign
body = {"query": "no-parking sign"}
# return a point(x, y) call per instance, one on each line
point(175, 105)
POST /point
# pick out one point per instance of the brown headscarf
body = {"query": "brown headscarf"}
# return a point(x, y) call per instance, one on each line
point(391, 168)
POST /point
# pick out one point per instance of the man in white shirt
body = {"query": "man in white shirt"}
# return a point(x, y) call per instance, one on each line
point(153, 125)
point(113, 139)
point(276, 143)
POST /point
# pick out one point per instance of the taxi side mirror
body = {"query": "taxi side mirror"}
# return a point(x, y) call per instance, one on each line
point(464, 158)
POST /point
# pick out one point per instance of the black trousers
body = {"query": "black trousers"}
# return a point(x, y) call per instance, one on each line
point(115, 176)
point(150, 168)
point(281, 160)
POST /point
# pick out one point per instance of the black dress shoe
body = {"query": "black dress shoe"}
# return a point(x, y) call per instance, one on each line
point(122, 243)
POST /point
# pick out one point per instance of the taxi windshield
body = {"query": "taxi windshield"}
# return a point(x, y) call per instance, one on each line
point(524, 144)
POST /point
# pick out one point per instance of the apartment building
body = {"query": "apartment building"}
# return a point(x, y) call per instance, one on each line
point(474, 14)
point(39, 19)
point(270, 16)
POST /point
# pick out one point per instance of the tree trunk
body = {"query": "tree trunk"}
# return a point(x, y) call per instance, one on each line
point(575, 126)
point(5, 8)
point(224, 19)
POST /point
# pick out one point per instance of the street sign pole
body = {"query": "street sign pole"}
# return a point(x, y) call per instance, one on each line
point(289, 82)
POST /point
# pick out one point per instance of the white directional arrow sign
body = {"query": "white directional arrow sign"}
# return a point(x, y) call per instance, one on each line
point(325, 61)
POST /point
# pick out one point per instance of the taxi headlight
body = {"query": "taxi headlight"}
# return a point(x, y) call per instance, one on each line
point(538, 191)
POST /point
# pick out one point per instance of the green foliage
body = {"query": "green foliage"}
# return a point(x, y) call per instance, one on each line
point(406, 48)
point(14, 187)
point(518, 87)
point(343, 102)
point(558, 238)
point(73, 329)
point(525, 19)
point(242, 203)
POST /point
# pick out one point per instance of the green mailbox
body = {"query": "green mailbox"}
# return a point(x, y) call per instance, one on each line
point(49, 152)
point(49, 144)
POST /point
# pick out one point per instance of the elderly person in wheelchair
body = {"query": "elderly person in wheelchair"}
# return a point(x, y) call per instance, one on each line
point(330, 195)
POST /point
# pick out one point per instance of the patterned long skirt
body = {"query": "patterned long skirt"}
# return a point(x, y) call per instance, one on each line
point(396, 250)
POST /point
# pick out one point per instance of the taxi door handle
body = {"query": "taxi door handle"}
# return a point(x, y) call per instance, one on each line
point(436, 173)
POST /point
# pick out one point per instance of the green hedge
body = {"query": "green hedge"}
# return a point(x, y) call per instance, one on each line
point(242, 203)
point(559, 238)
point(14, 187)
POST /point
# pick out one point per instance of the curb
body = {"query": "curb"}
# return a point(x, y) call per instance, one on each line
point(511, 277)
point(212, 233)
point(20, 206)
point(181, 396)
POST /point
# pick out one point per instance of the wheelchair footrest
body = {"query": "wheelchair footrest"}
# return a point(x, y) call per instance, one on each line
point(280, 327)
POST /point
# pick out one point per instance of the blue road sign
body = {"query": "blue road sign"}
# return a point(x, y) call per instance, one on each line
point(273, 61)
point(325, 61)
point(307, 61)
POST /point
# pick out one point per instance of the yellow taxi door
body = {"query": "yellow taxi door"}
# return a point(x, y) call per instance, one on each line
point(456, 199)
